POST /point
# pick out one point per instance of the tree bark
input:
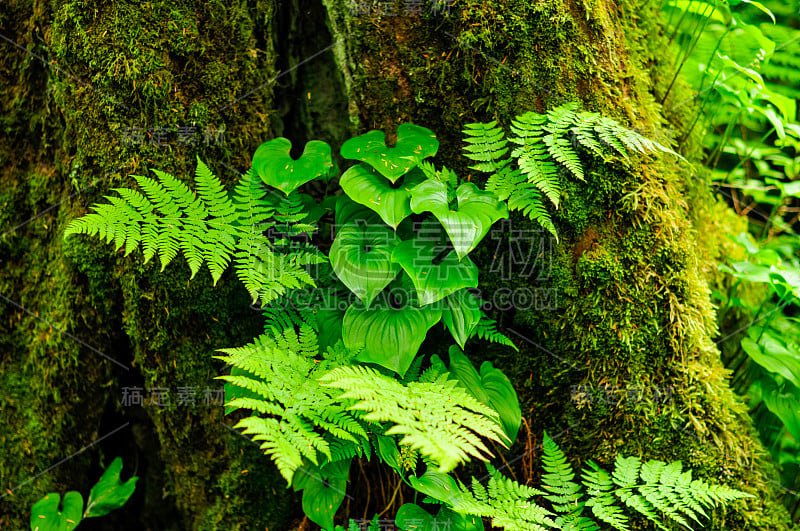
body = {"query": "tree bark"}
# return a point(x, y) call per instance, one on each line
point(624, 293)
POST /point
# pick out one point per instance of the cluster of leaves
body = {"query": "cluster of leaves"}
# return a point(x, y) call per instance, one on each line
point(743, 58)
point(743, 73)
point(109, 493)
point(547, 145)
point(209, 226)
point(658, 491)
point(337, 373)
point(767, 364)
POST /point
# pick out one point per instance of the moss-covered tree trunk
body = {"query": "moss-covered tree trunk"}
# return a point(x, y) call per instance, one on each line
point(618, 307)
point(103, 352)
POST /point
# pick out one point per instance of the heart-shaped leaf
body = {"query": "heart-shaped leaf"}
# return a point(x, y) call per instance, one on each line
point(276, 167)
point(434, 279)
point(367, 187)
point(461, 312)
point(389, 336)
point(323, 489)
point(348, 210)
point(491, 387)
point(412, 141)
point(472, 218)
point(361, 257)
point(109, 492)
point(46, 516)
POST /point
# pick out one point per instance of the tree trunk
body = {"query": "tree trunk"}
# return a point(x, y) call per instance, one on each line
point(95, 92)
point(614, 321)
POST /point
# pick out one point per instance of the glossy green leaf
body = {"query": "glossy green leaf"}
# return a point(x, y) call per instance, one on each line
point(109, 492)
point(348, 210)
point(458, 521)
point(773, 355)
point(276, 167)
point(361, 256)
point(437, 485)
point(434, 279)
point(783, 404)
point(412, 141)
point(389, 336)
point(388, 452)
point(490, 387)
point(757, 5)
point(323, 489)
point(367, 187)
point(473, 215)
point(412, 517)
point(460, 314)
point(46, 515)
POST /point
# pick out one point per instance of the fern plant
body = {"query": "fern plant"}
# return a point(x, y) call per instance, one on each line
point(447, 434)
point(207, 226)
point(658, 491)
point(295, 417)
point(544, 146)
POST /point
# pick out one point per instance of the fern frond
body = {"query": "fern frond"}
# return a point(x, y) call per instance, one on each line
point(649, 489)
point(206, 226)
point(599, 487)
point(656, 487)
point(293, 416)
point(438, 418)
point(487, 330)
point(532, 156)
point(505, 181)
point(265, 274)
point(506, 502)
point(558, 481)
point(607, 131)
point(529, 200)
point(584, 134)
point(560, 148)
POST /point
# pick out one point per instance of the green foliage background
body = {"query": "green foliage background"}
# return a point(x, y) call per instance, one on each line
point(631, 276)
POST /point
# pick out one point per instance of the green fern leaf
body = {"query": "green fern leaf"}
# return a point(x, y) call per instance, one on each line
point(486, 144)
point(293, 416)
point(438, 418)
point(599, 486)
point(558, 481)
point(487, 330)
